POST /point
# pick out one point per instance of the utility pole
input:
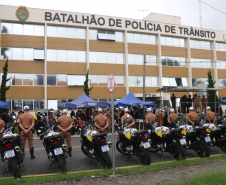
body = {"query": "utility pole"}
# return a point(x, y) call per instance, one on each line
point(143, 11)
point(200, 14)
point(144, 81)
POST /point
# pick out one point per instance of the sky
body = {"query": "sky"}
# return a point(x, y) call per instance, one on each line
point(188, 10)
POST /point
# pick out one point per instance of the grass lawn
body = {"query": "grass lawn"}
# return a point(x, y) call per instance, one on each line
point(102, 172)
point(211, 178)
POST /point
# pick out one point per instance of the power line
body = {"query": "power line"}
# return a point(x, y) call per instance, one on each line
point(212, 7)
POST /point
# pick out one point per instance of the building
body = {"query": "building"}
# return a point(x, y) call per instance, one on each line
point(50, 51)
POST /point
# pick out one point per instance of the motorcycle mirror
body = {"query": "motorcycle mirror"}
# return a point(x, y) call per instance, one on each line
point(41, 137)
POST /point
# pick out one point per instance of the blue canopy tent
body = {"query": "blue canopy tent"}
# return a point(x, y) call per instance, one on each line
point(131, 101)
point(4, 105)
point(223, 102)
point(84, 101)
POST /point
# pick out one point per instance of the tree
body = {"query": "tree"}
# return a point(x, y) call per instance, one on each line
point(210, 94)
point(86, 85)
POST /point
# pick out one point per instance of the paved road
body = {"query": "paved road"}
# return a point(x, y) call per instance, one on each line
point(79, 161)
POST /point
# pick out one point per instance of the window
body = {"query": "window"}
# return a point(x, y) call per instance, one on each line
point(106, 35)
point(198, 81)
point(172, 41)
point(93, 34)
point(222, 82)
point(16, 105)
point(61, 80)
point(17, 79)
point(199, 44)
point(104, 57)
point(65, 80)
point(141, 38)
point(201, 63)
point(174, 81)
point(173, 61)
point(22, 29)
point(38, 79)
point(28, 103)
point(101, 80)
point(38, 105)
point(137, 81)
point(139, 59)
point(220, 46)
point(51, 80)
point(66, 55)
point(22, 53)
point(221, 64)
point(28, 79)
point(67, 32)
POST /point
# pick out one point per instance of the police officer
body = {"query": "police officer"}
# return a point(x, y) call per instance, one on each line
point(125, 118)
point(65, 125)
point(192, 116)
point(160, 117)
point(101, 121)
point(150, 117)
point(27, 122)
point(172, 117)
point(210, 116)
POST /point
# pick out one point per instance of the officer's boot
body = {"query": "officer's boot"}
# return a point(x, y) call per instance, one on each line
point(32, 153)
point(69, 152)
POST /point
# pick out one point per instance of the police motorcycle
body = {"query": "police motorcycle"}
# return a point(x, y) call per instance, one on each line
point(95, 146)
point(165, 140)
point(133, 142)
point(11, 150)
point(55, 149)
point(217, 134)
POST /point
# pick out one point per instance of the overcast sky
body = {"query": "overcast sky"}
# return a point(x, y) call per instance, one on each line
point(188, 10)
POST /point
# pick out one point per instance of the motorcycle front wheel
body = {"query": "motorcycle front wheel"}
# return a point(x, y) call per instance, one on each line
point(145, 157)
point(178, 151)
point(204, 149)
point(121, 148)
point(15, 170)
point(61, 163)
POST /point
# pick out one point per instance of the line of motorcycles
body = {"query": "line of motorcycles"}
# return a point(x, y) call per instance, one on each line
point(130, 142)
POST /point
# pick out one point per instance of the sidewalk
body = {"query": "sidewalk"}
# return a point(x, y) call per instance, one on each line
point(153, 177)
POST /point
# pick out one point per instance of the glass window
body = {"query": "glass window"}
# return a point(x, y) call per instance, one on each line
point(28, 29)
point(93, 57)
point(163, 40)
point(103, 80)
point(110, 57)
point(208, 45)
point(38, 105)
point(61, 55)
point(51, 55)
point(7, 28)
point(93, 80)
point(182, 62)
point(152, 39)
point(194, 84)
point(28, 103)
point(131, 58)
point(93, 34)
point(6, 53)
point(199, 62)
point(51, 31)
point(119, 36)
point(61, 32)
point(61, 80)
point(17, 53)
point(176, 42)
point(169, 41)
point(81, 56)
point(81, 33)
point(18, 29)
point(71, 32)
point(154, 81)
point(16, 79)
point(172, 82)
point(28, 54)
point(196, 44)
point(139, 59)
point(16, 105)
point(192, 45)
point(184, 82)
point(28, 79)
point(39, 30)
point(71, 56)
point(110, 35)
point(176, 61)
point(129, 37)
point(38, 54)
point(120, 80)
point(165, 81)
point(102, 35)
point(51, 80)
point(38, 79)
point(203, 45)
point(133, 81)
point(71, 80)
point(151, 60)
point(119, 58)
point(178, 82)
point(137, 38)
point(81, 79)
point(222, 82)
point(164, 60)
point(221, 47)
point(182, 43)
point(102, 57)
point(170, 61)
point(145, 39)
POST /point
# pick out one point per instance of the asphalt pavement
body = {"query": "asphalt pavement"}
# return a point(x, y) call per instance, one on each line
point(79, 162)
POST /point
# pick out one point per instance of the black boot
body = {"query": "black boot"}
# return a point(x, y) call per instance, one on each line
point(69, 151)
point(32, 153)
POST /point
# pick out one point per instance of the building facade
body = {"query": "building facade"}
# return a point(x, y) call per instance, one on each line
point(50, 51)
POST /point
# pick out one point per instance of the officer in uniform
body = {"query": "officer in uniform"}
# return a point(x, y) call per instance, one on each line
point(160, 117)
point(204, 102)
point(65, 125)
point(150, 117)
point(172, 117)
point(210, 116)
point(101, 121)
point(27, 122)
point(192, 116)
point(126, 119)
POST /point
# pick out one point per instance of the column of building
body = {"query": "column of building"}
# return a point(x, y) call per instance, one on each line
point(126, 63)
point(45, 66)
point(187, 44)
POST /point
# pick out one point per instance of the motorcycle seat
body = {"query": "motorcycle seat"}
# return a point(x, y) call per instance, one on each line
point(222, 126)
point(175, 130)
point(198, 128)
point(99, 135)
point(140, 133)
